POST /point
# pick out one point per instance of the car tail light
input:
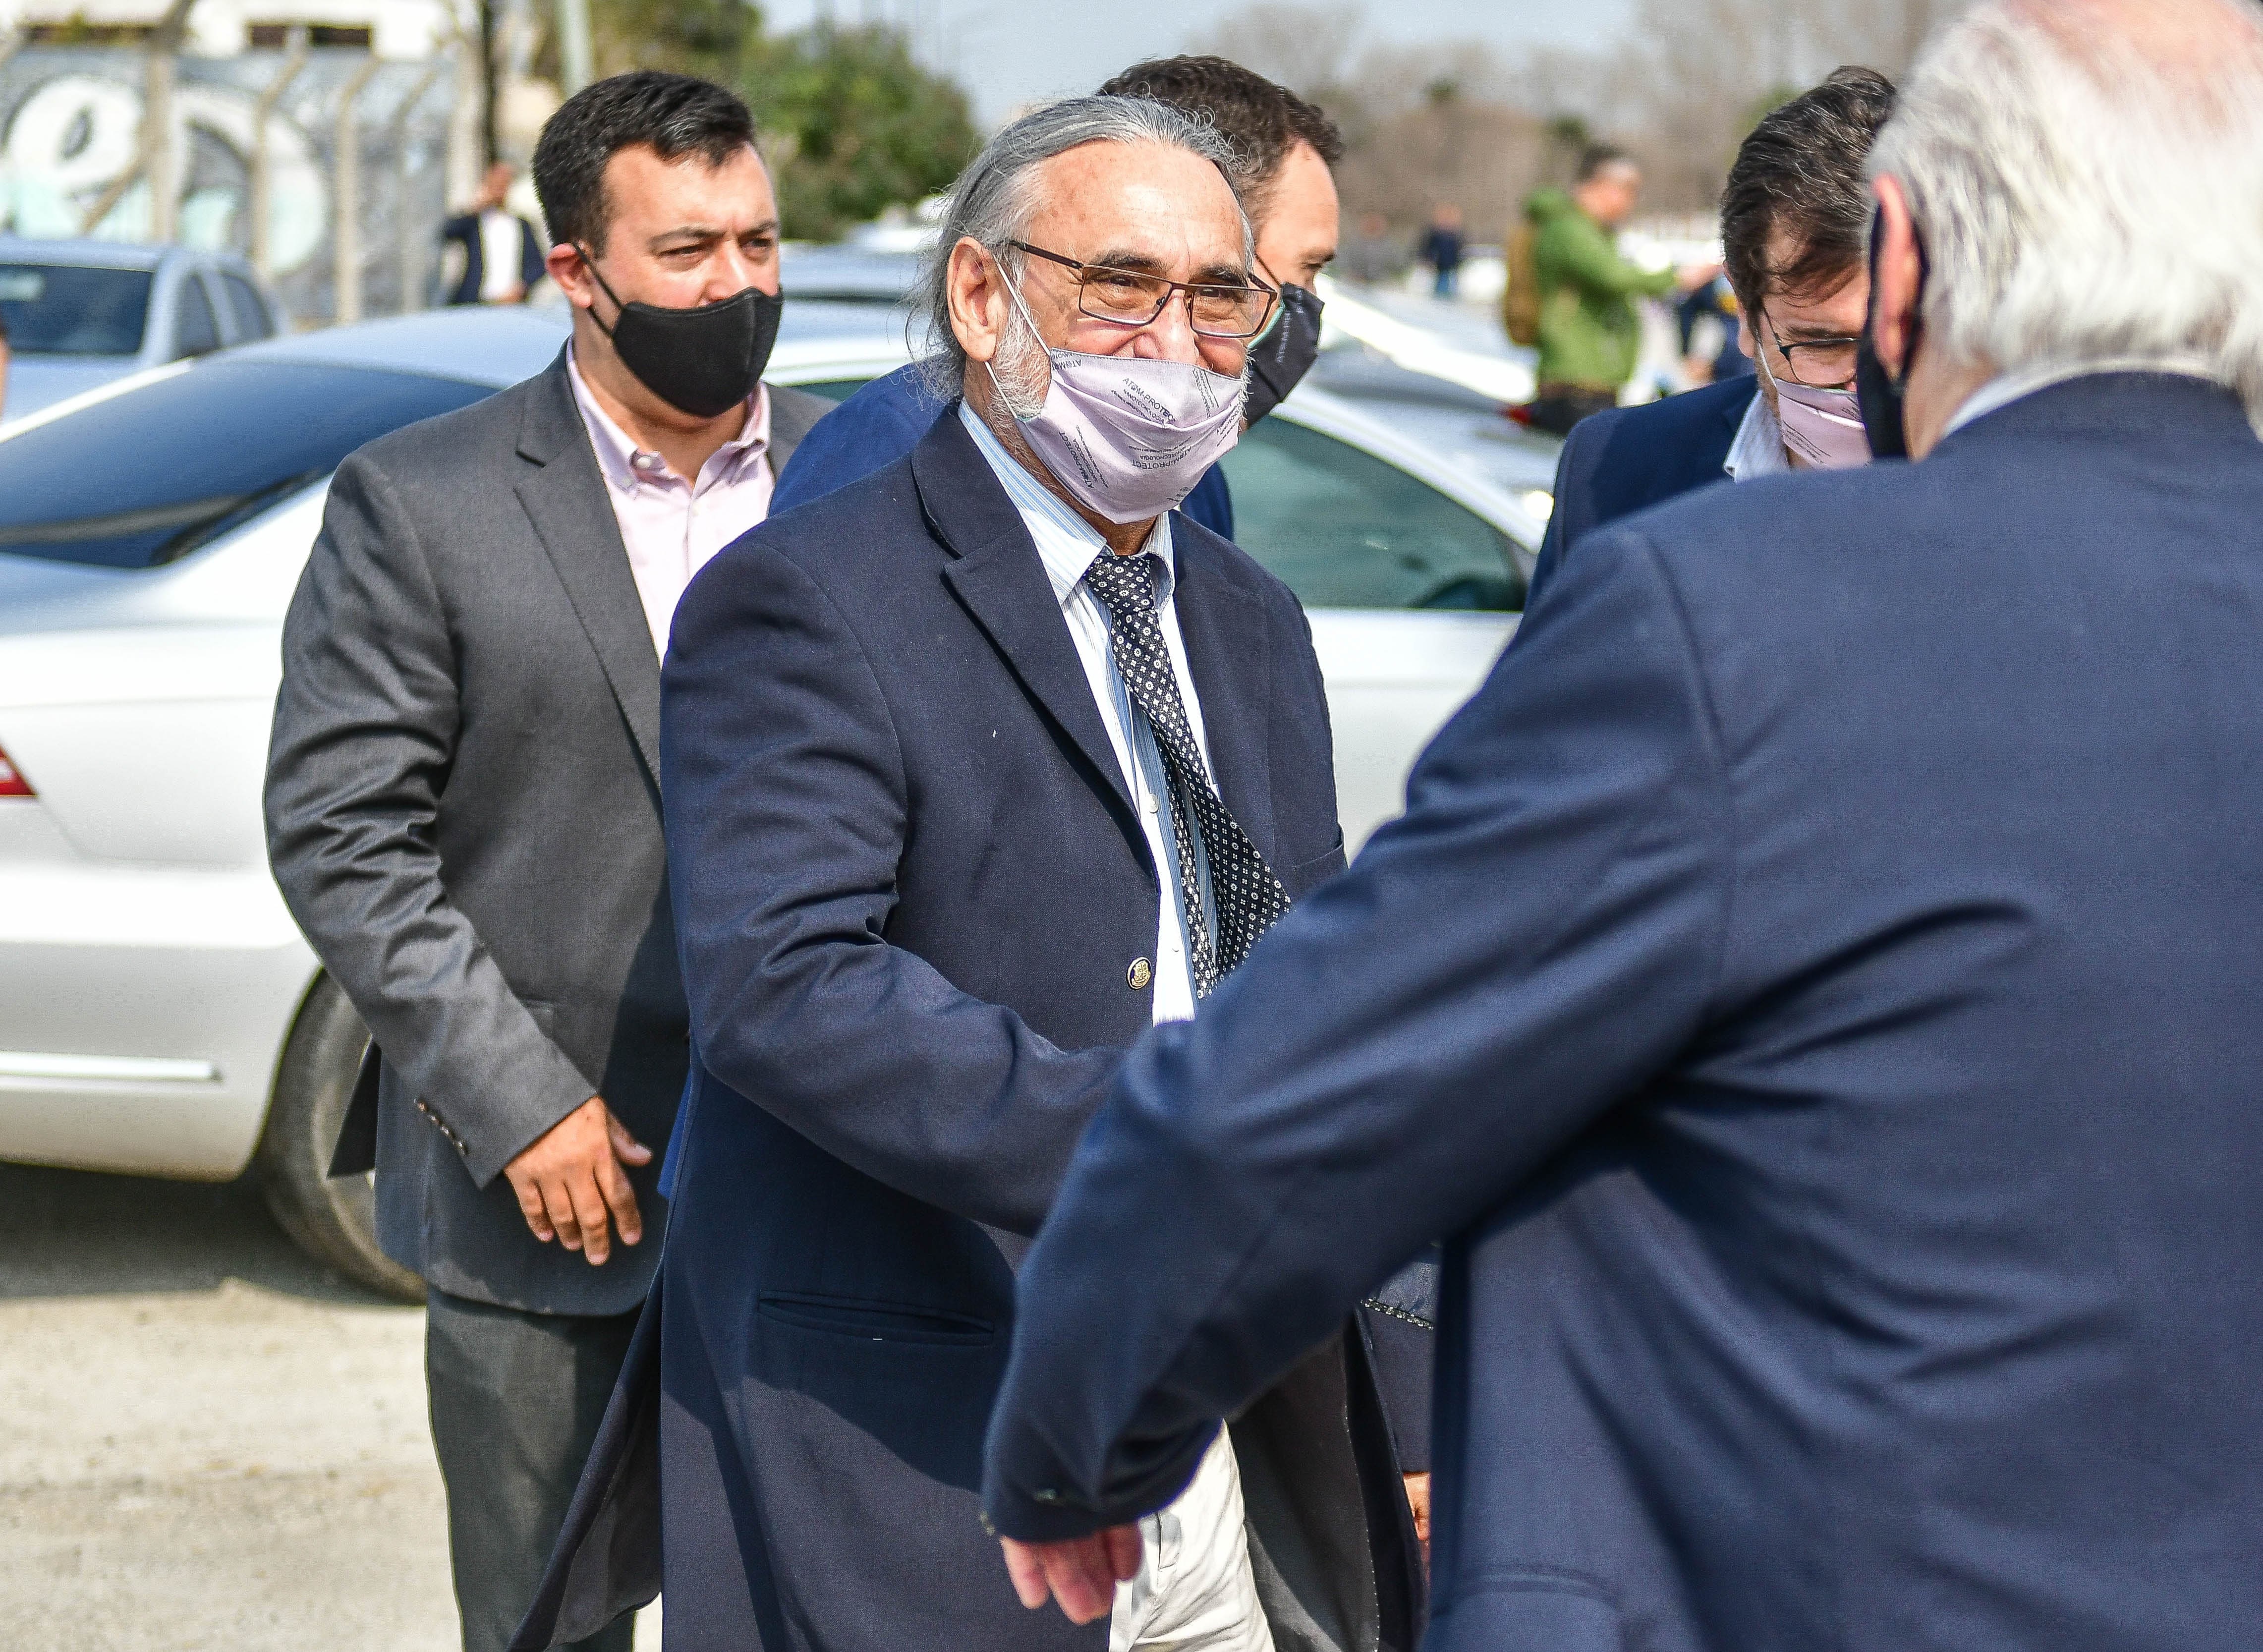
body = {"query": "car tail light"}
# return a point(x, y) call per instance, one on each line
point(12, 782)
point(1522, 414)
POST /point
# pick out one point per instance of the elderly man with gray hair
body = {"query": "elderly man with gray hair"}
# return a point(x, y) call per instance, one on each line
point(972, 770)
point(1815, 982)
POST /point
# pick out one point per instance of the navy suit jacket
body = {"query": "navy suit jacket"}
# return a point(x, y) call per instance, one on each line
point(884, 421)
point(1630, 458)
point(1817, 982)
point(915, 903)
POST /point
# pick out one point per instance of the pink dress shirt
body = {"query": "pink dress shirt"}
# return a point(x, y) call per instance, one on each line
point(672, 527)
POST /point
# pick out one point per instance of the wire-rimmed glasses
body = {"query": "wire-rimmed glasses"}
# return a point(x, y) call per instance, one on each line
point(1136, 297)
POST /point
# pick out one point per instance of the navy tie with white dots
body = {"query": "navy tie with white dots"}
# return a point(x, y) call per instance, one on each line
point(1248, 898)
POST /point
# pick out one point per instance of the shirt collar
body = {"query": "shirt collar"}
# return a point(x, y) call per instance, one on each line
point(625, 464)
point(1067, 543)
point(2007, 388)
point(1758, 450)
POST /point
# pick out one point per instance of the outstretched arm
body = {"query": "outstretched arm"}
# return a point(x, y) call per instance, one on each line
point(787, 810)
point(1533, 941)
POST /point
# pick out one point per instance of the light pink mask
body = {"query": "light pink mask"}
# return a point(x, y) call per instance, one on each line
point(1130, 438)
point(1824, 427)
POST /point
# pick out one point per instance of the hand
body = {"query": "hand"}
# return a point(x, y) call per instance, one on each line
point(1080, 1574)
point(1418, 1499)
point(570, 1179)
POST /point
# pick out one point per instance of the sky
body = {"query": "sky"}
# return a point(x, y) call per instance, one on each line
point(1008, 53)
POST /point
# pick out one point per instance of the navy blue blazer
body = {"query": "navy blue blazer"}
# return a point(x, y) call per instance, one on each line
point(1630, 458)
point(918, 921)
point(884, 419)
point(1816, 980)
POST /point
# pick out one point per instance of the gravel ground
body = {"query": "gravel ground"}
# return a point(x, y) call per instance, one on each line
point(209, 1440)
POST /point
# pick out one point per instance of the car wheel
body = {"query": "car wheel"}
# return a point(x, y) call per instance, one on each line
point(332, 1218)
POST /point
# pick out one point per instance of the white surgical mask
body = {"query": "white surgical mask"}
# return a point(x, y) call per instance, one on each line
point(1824, 427)
point(1129, 438)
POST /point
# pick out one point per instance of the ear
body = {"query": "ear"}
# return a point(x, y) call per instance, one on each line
point(976, 290)
point(571, 276)
point(1895, 290)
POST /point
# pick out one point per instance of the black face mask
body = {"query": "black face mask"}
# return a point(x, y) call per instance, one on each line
point(1878, 392)
point(704, 360)
point(1285, 355)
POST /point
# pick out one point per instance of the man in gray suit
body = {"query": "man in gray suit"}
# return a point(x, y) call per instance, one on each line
point(461, 798)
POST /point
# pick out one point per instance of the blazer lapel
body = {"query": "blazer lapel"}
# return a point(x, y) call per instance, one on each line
point(997, 575)
point(564, 497)
point(1229, 656)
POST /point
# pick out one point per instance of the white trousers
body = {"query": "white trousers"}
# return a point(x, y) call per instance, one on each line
point(1194, 1592)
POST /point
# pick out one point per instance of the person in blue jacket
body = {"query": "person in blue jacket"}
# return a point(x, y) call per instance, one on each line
point(1794, 225)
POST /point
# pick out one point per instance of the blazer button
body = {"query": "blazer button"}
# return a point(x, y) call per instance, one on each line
point(1139, 975)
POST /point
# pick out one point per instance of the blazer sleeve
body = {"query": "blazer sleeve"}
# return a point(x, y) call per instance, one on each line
point(364, 740)
point(1530, 943)
point(1568, 517)
point(787, 809)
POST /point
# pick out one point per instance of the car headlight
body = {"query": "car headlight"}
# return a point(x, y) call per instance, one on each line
point(1540, 501)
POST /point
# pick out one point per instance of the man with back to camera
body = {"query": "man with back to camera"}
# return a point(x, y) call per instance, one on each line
point(1284, 148)
point(463, 802)
point(1795, 229)
point(974, 769)
point(1589, 334)
point(1814, 978)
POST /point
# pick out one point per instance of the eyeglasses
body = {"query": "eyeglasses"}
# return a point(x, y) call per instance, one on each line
point(1130, 298)
point(1817, 364)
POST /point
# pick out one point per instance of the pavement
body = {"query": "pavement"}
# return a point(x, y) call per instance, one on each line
point(210, 1440)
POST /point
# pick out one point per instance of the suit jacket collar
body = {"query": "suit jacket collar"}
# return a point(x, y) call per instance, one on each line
point(2138, 406)
point(996, 573)
point(564, 497)
point(1229, 655)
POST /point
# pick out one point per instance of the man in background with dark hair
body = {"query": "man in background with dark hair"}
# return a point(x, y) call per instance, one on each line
point(1795, 229)
point(493, 255)
point(463, 802)
point(1286, 148)
point(1589, 335)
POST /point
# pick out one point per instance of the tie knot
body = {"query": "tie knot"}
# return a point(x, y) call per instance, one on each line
point(1126, 583)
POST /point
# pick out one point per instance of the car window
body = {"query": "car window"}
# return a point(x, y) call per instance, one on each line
point(66, 309)
point(197, 333)
point(1343, 529)
point(142, 479)
point(251, 319)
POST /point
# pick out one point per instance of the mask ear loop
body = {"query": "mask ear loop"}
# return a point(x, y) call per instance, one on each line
point(1014, 293)
point(590, 264)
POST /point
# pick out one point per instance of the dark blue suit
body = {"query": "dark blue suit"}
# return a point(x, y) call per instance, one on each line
point(884, 420)
point(1815, 983)
point(911, 889)
point(1631, 458)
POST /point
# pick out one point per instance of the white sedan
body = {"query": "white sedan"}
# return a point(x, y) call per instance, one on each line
point(159, 1012)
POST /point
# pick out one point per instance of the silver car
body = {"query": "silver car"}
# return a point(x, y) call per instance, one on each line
point(159, 1012)
point(84, 313)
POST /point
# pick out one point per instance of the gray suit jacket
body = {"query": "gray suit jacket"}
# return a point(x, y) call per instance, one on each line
point(463, 814)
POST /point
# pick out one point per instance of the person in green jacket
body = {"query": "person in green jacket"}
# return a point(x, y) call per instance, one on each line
point(1589, 335)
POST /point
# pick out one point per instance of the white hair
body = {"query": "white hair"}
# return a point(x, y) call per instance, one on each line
point(2087, 178)
point(996, 197)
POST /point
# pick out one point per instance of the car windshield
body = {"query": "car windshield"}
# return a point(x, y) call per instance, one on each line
point(69, 309)
point(142, 479)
